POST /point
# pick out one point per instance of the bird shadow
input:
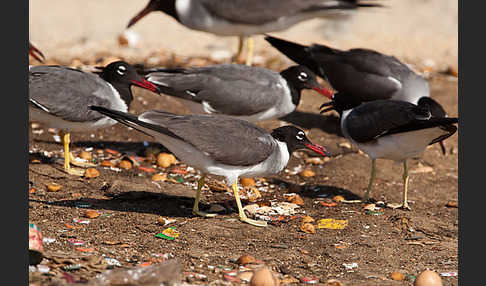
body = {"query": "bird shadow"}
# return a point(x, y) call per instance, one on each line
point(145, 202)
point(137, 148)
point(316, 191)
point(327, 123)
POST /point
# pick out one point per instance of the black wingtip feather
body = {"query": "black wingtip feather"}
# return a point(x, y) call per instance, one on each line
point(132, 121)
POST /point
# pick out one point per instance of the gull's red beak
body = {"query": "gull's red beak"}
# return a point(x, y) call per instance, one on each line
point(149, 8)
point(143, 83)
point(324, 91)
point(318, 149)
point(35, 53)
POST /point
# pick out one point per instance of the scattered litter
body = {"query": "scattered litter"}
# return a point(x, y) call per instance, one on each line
point(275, 209)
point(43, 268)
point(230, 272)
point(112, 261)
point(48, 240)
point(309, 280)
point(368, 212)
point(351, 266)
point(327, 204)
point(36, 247)
point(231, 278)
point(449, 274)
point(72, 267)
point(82, 249)
point(83, 205)
point(330, 223)
point(82, 221)
point(147, 169)
point(169, 233)
point(74, 241)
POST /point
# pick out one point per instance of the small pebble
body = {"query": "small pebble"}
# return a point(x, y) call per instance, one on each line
point(452, 204)
point(91, 173)
point(263, 277)
point(85, 155)
point(125, 164)
point(107, 163)
point(307, 173)
point(91, 214)
point(397, 276)
point(338, 198)
point(308, 228)
point(314, 161)
point(159, 177)
point(307, 219)
point(296, 199)
point(333, 282)
point(247, 182)
point(245, 259)
point(165, 160)
point(428, 278)
point(53, 187)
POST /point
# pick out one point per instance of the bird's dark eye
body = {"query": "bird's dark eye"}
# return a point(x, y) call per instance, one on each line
point(121, 70)
point(300, 136)
point(303, 76)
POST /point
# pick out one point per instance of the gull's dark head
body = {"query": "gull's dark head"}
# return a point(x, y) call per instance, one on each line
point(435, 108)
point(300, 77)
point(166, 6)
point(295, 139)
point(120, 73)
point(340, 102)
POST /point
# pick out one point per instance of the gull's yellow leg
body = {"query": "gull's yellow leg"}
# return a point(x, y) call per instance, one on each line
point(195, 209)
point(241, 213)
point(405, 186)
point(65, 138)
point(404, 204)
point(251, 49)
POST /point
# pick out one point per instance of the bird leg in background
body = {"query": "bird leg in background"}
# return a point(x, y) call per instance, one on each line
point(372, 180)
point(251, 50)
point(65, 138)
point(404, 204)
point(442, 147)
point(251, 47)
point(241, 42)
point(195, 209)
point(242, 214)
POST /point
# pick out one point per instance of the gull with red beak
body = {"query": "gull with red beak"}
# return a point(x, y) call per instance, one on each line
point(59, 97)
point(220, 145)
point(245, 92)
point(244, 18)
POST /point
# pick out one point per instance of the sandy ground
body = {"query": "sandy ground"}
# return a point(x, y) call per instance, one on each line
point(419, 31)
point(130, 205)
